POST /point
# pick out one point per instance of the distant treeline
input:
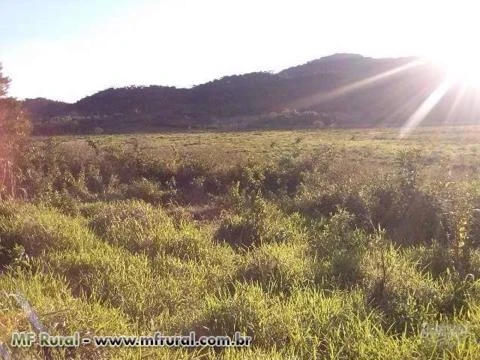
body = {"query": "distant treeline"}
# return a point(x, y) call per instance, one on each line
point(298, 97)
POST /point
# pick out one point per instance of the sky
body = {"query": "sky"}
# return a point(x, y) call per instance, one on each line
point(68, 49)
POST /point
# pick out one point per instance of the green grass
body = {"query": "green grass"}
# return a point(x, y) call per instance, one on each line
point(332, 244)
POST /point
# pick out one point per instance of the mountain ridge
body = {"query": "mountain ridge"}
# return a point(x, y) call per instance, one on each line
point(343, 90)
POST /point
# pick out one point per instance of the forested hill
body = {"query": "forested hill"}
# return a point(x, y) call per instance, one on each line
point(341, 90)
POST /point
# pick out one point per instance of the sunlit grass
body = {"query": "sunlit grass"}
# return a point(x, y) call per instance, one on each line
point(335, 244)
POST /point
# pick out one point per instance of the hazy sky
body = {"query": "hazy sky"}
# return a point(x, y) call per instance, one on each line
point(66, 49)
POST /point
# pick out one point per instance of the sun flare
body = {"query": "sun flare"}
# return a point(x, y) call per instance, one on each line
point(453, 44)
point(461, 67)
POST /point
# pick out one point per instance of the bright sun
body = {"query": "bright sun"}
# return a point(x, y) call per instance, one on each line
point(449, 37)
point(462, 65)
point(454, 45)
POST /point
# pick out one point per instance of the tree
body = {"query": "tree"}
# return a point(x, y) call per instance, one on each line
point(4, 82)
point(14, 123)
point(14, 129)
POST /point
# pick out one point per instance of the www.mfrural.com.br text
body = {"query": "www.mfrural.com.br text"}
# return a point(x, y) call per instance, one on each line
point(43, 339)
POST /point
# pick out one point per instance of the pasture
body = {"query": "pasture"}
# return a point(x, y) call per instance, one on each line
point(328, 244)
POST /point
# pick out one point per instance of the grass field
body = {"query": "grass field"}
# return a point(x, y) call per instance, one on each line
point(329, 244)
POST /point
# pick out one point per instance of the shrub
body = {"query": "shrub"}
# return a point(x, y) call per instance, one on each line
point(437, 259)
point(133, 225)
point(244, 310)
point(339, 248)
point(147, 191)
point(189, 171)
point(188, 243)
point(76, 156)
point(183, 285)
point(409, 216)
point(63, 201)
point(112, 276)
point(257, 224)
point(40, 230)
point(284, 267)
point(393, 285)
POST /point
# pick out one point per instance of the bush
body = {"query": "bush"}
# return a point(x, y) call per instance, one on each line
point(183, 285)
point(257, 224)
point(245, 310)
point(112, 276)
point(409, 217)
point(147, 191)
point(406, 296)
point(339, 248)
point(282, 267)
point(40, 230)
point(134, 225)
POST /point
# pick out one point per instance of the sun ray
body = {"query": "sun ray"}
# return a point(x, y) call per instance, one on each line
point(458, 99)
point(403, 109)
point(323, 97)
point(421, 113)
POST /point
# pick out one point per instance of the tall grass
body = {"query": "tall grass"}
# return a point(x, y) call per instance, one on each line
point(316, 250)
